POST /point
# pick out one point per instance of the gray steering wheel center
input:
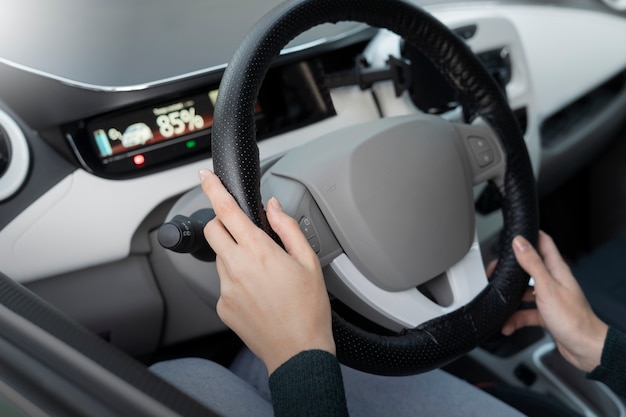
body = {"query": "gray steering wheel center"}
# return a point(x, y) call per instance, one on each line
point(397, 194)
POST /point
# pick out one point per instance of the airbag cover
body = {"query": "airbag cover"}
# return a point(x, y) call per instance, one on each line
point(397, 193)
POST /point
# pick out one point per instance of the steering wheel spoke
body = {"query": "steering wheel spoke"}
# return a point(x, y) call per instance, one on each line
point(410, 308)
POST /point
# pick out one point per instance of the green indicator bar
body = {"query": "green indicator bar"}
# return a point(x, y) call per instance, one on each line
point(190, 144)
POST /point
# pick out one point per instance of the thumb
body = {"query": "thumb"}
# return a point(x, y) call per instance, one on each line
point(286, 227)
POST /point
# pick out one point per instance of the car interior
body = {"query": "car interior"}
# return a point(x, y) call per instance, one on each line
point(106, 119)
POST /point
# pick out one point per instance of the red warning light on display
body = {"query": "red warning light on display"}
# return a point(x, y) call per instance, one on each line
point(139, 159)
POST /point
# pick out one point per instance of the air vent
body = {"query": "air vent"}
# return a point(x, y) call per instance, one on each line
point(14, 156)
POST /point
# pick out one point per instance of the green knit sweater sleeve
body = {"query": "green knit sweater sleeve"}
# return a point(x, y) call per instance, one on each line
point(309, 384)
point(612, 368)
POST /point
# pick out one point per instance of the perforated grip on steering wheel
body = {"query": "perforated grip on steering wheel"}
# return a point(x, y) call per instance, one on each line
point(236, 161)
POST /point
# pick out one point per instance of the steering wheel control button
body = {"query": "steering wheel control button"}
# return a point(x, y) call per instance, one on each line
point(483, 154)
point(307, 227)
point(478, 144)
point(314, 241)
point(485, 158)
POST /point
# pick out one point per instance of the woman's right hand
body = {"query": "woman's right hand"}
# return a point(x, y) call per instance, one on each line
point(275, 299)
point(561, 305)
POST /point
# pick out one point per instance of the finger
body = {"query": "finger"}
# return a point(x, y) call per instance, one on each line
point(521, 318)
point(552, 258)
point(529, 259)
point(219, 238)
point(491, 267)
point(225, 206)
point(289, 232)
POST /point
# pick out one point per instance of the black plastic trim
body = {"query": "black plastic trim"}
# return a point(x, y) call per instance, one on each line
point(574, 135)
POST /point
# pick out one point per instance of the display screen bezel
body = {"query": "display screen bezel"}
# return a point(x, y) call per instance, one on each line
point(292, 96)
point(118, 135)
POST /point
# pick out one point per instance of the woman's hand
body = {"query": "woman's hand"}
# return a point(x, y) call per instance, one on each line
point(561, 305)
point(274, 299)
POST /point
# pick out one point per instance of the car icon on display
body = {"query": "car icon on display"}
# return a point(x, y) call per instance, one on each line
point(136, 134)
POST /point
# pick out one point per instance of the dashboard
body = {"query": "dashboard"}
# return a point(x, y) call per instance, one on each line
point(101, 141)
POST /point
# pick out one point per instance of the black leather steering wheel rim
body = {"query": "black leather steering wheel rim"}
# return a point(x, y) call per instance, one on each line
point(236, 162)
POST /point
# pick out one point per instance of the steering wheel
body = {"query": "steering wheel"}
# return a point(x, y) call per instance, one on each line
point(388, 205)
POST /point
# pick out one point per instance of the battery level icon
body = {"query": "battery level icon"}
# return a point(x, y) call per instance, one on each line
point(102, 140)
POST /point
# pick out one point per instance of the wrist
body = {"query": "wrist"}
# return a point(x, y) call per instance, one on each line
point(592, 352)
point(280, 356)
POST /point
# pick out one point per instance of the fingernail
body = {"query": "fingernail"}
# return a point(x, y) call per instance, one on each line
point(507, 330)
point(275, 204)
point(521, 244)
point(203, 174)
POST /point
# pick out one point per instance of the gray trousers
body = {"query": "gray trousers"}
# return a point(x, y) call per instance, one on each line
point(243, 391)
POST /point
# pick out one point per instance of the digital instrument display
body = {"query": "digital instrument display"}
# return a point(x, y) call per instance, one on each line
point(151, 126)
point(156, 135)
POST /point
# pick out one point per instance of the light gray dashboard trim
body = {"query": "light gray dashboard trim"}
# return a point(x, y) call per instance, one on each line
point(97, 226)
